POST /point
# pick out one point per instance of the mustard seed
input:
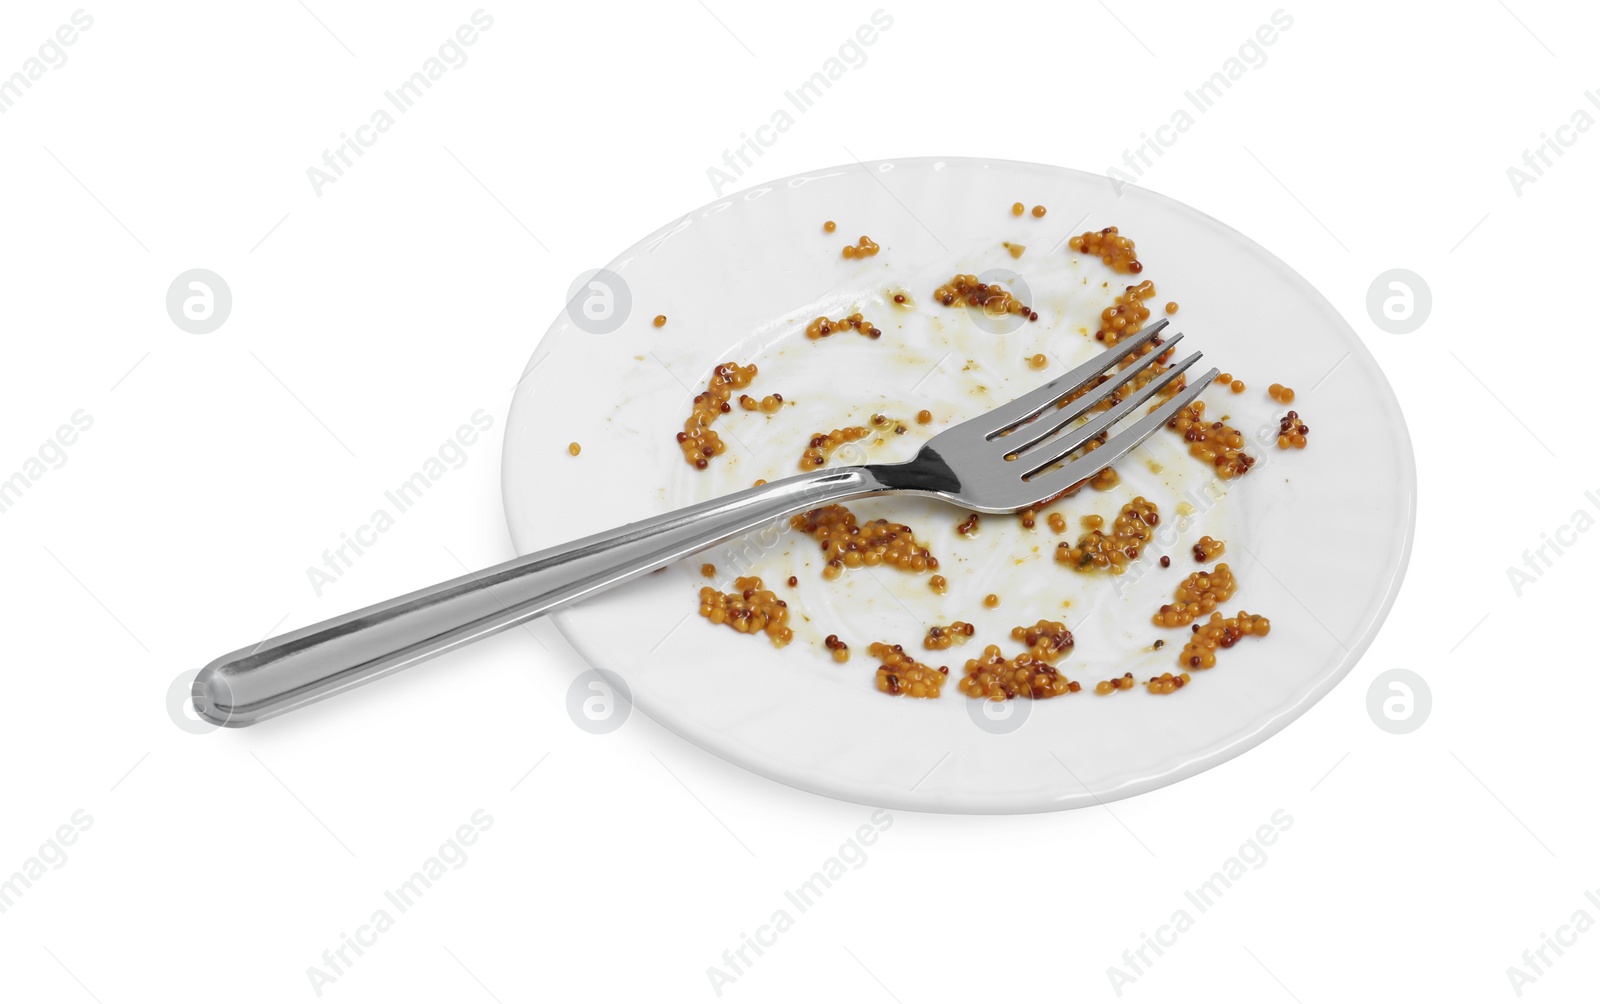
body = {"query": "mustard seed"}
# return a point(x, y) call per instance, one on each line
point(1110, 247)
point(1031, 674)
point(748, 609)
point(939, 638)
point(863, 248)
point(697, 440)
point(847, 542)
point(1198, 594)
point(1098, 551)
point(899, 674)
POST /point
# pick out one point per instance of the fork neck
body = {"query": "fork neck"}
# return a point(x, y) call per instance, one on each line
point(927, 472)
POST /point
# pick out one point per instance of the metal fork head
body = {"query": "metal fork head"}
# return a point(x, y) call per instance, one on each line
point(1006, 459)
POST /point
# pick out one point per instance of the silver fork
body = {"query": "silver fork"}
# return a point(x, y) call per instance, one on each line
point(1018, 456)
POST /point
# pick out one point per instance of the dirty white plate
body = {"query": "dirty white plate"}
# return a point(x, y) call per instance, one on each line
point(740, 279)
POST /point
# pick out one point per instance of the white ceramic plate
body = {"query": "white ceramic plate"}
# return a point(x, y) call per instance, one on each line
point(1317, 538)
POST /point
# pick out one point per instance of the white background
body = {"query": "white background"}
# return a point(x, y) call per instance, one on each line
point(371, 320)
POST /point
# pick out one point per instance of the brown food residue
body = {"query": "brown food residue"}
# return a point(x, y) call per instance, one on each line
point(1123, 682)
point(1197, 595)
point(750, 608)
point(991, 297)
point(863, 248)
point(1207, 548)
point(768, 404)
point(1292, 432)
point(940, 638)
point(823, 444)
point(898, 673)
point(841, 651)
point(1166, 683)
point(1029, 674)
point(1110, 247)
point(1220, 632)
point(846, 542)
point(1217, 443)
point(821, 327)
point(1099, 551)
point(697, 440)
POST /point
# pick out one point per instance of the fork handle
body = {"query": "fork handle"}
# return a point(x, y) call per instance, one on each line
point(297, 668)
